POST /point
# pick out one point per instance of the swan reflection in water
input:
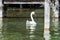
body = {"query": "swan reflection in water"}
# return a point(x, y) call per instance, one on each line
point(30, 25)
point(31, 28)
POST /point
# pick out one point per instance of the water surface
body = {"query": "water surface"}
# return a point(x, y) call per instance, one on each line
point(15, 29)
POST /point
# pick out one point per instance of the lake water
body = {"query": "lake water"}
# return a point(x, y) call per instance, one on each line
point(15, 29)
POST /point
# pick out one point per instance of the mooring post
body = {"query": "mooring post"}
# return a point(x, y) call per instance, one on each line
point(47, 20)
point(55, 8)
point(0, 14)
point(0, 8)
point(47, 14)
point(56, 14)
point(1, 20)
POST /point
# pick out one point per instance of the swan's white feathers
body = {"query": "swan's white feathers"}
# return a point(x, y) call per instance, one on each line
point(31, 22)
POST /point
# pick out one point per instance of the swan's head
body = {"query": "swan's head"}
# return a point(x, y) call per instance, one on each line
point(33, 12)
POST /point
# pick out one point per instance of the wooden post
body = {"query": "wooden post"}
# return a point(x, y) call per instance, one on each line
point(47, 15)
point(0, 14)
point(47, 20)
point(1, 37)
point(0, 8)
point(55, 8)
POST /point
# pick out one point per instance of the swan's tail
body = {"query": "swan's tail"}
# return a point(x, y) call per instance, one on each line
point(27, 22)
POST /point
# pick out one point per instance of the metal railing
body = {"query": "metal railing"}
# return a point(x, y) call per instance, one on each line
point(23, 0)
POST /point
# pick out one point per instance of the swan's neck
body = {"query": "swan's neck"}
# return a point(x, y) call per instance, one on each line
point(32, 17)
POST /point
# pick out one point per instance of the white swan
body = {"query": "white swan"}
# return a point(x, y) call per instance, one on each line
point(31, 22)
